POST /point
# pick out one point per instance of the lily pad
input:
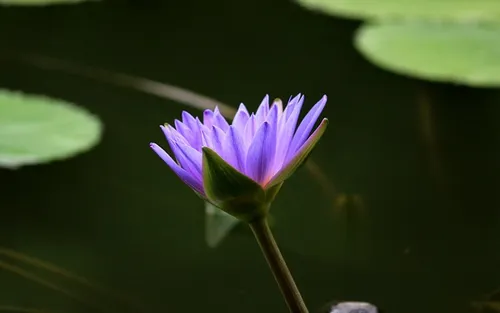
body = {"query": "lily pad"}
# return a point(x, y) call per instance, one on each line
point(450, 10)
point(38, 2)
point(457, 53)
point(218, 224)
point(37, 129)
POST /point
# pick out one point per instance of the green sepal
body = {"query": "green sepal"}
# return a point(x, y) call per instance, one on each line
point(300, 158)
point(272, 192)
point(231, 190)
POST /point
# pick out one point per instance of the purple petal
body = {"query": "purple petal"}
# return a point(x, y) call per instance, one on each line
point(172, 134)
point(260, 156)
point(186, 177)
point(186, 156)
point(189, 159)
point(197, 143)
point(172, 142)
point(242, 107)
point(208, 118)
point(233, 148)
point(218, 137)
point(272, 119)
point(277, 102)
point(288, 124)
point(206, 138)
point(240, 118)
point(305, 128)
point(220, 121)
point(188, 119)
point(297, 100)
point(249, 131)
point(184, 131)
point(180, 127)
point(262, 111)
point(190, 122)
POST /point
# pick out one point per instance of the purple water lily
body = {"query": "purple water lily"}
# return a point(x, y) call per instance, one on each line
point(266, 146)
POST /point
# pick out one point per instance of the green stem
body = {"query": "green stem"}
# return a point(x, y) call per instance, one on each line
point(264, 236)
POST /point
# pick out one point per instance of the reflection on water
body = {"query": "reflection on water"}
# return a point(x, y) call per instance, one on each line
point(379, 229)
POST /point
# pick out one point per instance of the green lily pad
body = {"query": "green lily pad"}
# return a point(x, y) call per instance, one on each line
point(457, 53)
point(450, 10)
point(38, 129)
point(38, 2)
point(218, 224)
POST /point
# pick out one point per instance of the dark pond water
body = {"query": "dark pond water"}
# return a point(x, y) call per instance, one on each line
point(419, 165)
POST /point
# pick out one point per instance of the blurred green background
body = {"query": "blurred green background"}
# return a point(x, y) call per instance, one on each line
point(409, 219)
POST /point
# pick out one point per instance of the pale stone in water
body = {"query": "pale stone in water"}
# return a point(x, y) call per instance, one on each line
point(353, 307)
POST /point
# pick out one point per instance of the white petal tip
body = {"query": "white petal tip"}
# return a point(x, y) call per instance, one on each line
point(155, 147)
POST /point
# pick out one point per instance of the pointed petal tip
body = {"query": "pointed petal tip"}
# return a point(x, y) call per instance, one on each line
point(323, 125)
point(166, 126)
point(208, 112)
point(207, 150)
point(242, 108)
point(166, 129)
point(158, 150)
point(186, 114)
point(322, 102)
point(155, 147)
point(321, 128)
